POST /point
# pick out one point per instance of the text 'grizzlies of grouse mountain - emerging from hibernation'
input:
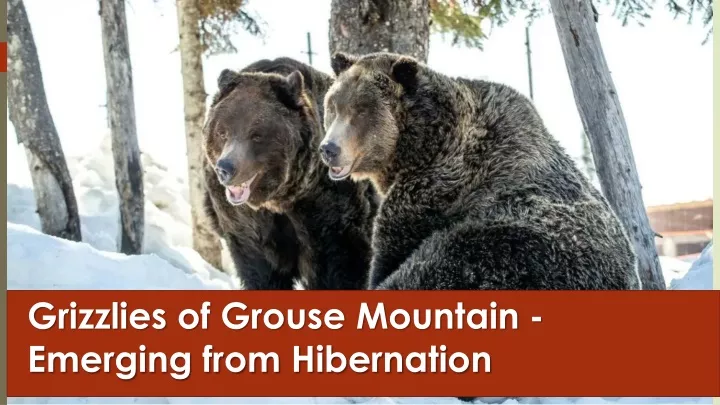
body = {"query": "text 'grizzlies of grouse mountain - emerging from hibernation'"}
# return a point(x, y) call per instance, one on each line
point(236, 316)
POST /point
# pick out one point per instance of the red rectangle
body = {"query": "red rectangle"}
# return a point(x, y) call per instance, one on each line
point(3, 55)
point(644, 343)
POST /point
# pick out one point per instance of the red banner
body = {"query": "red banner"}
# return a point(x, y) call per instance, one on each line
point(363, 343)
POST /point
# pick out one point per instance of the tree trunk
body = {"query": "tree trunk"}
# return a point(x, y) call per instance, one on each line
point(35, 129)
point(205, 241)
point(366, 26)
point(121, 113)
point(604, 123)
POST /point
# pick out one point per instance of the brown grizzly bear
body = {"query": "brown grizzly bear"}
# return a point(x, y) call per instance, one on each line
point(266, 189)
point(477, 194)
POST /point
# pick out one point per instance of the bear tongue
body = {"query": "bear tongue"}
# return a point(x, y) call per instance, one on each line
point(235, 191)
point(340, 171)
point(238, 194)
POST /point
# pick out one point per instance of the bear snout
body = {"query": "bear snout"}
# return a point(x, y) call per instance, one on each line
point(225, 170)
point(329, 151)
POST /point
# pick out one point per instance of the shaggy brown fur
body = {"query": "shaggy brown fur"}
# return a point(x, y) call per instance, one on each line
point(267, 191)
point(477, 193)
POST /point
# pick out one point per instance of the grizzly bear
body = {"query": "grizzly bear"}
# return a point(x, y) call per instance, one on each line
point(476, 193)
point(266, 191)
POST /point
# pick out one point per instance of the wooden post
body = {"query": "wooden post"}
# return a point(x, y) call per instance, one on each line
point(309, 49)
point(529, 61)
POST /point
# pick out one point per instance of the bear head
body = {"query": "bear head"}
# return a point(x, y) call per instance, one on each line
point(257, 125)
point(363, 112)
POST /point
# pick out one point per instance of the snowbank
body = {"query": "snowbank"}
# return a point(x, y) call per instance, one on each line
point(699, 276)
point(39, 262)
point(673, 268)
point(167, 210)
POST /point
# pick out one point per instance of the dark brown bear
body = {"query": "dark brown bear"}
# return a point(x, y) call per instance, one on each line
point(266, 190)
point(477, 193)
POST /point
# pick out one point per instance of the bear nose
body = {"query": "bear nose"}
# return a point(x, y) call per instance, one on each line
point(225, 170)
point(329, 151)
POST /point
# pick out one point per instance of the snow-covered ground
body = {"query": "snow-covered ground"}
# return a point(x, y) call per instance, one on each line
point(674, 268)
point(39, 261)
point(167, 210)
point(699, 276)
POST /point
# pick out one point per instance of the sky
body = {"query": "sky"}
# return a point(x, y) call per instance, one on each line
point(662, 73)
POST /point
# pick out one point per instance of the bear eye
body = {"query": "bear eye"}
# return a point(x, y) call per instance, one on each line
point(256, 137)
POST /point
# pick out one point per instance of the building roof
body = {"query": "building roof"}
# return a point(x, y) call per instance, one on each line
point(682, 218)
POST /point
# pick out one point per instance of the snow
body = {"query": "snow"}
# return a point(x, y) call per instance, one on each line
point(39, 261)
point(167, 210)
point(699, 276)
point(673, 268)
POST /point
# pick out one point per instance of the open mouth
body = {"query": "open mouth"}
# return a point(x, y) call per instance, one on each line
point(238, 195)
point(339, 173)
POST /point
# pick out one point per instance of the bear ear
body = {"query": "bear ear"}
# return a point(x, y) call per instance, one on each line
point(225, 78)
point(404, 71)
point(342, 61)
point(289, 89)
point(296, 83)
